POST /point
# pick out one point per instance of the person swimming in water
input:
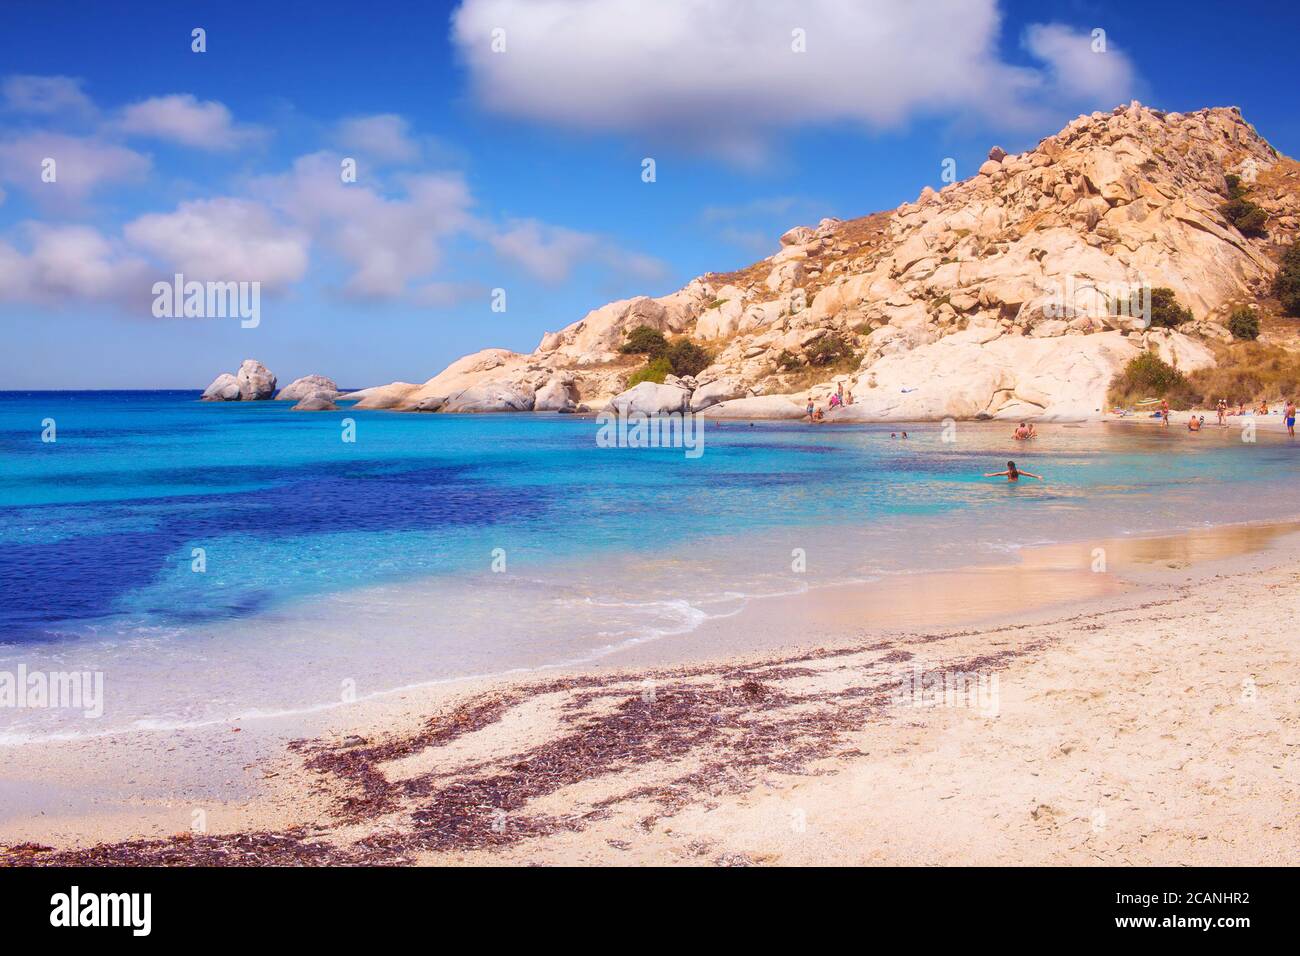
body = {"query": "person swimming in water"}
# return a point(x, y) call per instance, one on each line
point(1013, 473)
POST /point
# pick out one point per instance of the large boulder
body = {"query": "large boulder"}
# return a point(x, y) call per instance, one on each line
point(560, 394)
point(759, 406)
point(306, 386)
point(316, 402)
point(491, 397)
point(650, 398)
point(256, 383)
point(721, 390)
point(224, 388)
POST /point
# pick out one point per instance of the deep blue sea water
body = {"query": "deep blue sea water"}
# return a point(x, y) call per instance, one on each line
point(375, 559)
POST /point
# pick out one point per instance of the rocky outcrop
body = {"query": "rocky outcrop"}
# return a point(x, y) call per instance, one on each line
point(720, 390)
point(993, 296)
point(649, 398)
point(560, 394)
point(253, 382)
point(757, 407)
point(488, 397)
point(382, 396)
point(301, 388)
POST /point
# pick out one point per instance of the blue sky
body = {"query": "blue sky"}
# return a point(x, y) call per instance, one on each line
point(516, 166)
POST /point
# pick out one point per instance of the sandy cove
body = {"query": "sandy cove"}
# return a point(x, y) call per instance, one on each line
point(1147, 715)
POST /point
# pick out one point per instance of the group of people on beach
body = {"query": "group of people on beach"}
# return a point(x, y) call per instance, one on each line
point(1223, 411)
point(839, 399)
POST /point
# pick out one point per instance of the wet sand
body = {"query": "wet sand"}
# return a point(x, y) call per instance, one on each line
point(1147, 713)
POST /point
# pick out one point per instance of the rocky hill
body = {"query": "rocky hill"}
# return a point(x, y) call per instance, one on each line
point(995, 296)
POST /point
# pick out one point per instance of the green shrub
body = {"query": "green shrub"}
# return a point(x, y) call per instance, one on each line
point(827, 350)
point(1287, 284)
point(1244, 324)
point(687, 358)
point(656, 371)
point(644, 340)
point(1145, 377)
point(1249, 218)
point(1166, 313)
point(787, 362)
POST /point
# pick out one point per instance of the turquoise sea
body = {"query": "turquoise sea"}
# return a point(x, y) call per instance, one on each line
point(223, 560)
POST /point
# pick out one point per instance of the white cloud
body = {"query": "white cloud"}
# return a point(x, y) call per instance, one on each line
point(70, 263)
point(45, 95)
point(385, 137)
point(388, 242)
point(547, 252)
point(721, 75)
point(181, 118)
point(82, 164)
point(1080, 67)
point(551, 253)
point(225, 240)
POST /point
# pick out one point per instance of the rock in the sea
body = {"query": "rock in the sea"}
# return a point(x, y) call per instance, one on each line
point(307, 386)
point(256, 382)
point(316, 402)
point(224, 388)
point(491, 397)
point(649, 398)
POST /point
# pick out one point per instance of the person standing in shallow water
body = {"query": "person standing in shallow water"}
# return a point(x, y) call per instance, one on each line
point(1289, 414)
point(1012, 473)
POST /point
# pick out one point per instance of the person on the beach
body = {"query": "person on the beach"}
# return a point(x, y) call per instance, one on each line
point(848, 397)
point(1164, 412)
point(1193, 425)
point(839, 393)
point(1222, 408)
point(1290, 417)
point(1263, 407)
point(818, 416)
point(836, 400)
point(1013, 473)
point(808, 412)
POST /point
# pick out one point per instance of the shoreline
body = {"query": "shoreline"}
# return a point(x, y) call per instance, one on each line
point(389, 750)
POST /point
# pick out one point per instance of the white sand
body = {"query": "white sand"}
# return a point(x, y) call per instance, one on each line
point(1150, 721)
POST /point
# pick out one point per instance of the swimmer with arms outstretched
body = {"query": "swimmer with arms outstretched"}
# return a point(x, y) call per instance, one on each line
point(1013, 473)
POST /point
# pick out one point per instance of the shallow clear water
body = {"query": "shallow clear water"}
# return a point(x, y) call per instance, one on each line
point(334, 567)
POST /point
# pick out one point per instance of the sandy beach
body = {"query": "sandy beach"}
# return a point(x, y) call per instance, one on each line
point(1139, 712)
